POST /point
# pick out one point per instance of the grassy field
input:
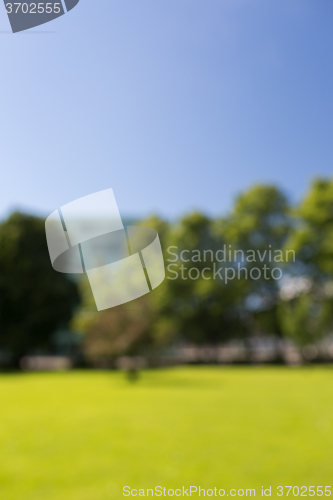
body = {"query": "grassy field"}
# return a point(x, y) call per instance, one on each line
point(85, 435)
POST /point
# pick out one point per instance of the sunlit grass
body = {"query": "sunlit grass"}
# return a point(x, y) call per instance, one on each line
point(84, 435)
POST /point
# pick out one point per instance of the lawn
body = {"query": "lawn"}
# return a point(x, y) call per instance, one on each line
point(85, 435)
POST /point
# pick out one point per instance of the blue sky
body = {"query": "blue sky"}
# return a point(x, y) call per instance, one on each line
point(175, 104)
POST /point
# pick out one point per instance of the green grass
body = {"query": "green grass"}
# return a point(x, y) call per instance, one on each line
point(84, 435)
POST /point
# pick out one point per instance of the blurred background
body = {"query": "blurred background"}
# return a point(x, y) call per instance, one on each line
point(212, 122)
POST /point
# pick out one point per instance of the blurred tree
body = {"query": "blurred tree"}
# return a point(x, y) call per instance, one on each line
point(34, 299)
point(306, 313)
point(258, 219)
point(313, 235)
point(114, 332)
point(202, 307)
point(306, 318)
point(129, 329)
point(259, 225)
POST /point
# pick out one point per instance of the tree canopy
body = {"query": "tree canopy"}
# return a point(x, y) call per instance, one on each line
point(34, 299)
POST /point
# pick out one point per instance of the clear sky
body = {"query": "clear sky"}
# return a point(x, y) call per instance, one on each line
point(175, 104)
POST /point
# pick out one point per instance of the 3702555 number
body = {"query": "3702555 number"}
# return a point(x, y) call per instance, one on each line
point(33, 8)
point(303, 491)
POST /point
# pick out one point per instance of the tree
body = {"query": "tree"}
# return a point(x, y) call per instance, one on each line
point(133, 328)
point(34, 299)
point(203, 308)
point(313, 235)
point(118, 331)
point(259, 226)
point(306, 312)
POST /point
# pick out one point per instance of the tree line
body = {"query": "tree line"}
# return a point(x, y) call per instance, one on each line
point(213, 291)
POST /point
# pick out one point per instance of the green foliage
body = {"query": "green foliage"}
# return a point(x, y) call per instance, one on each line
point(125, 329)
point(305, 319)
point(131, 328)
point(313, 236)
point(308, 316)
point(260, 223)
point(212, 311)
point(34, 299)
point(205, 310)
point(259, 218)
